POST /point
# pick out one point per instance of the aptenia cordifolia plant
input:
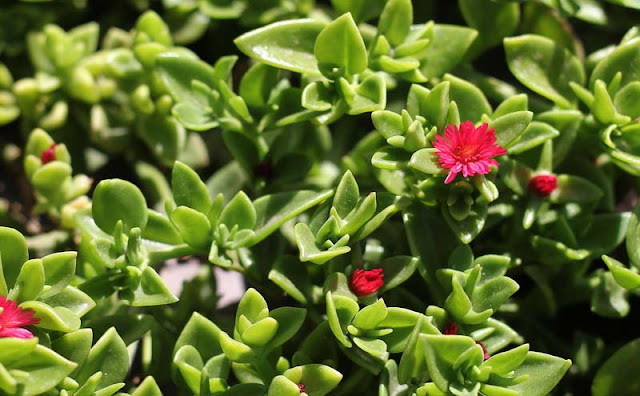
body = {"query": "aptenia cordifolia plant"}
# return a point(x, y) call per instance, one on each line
point(423, 197)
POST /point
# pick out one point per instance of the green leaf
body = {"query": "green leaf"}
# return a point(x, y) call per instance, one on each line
point(202, 334)
point(575, 189)
point(74, 346)
point(272, 44)
point(109, 355)
point(130, 327)
point(159, 228)
point(472, 103)
point(396, 270)
point(72, 299)
point(370, 95)
point(59, 269)
point(395, 21)
point(189, 363)
point(505, 362)
point(614, 377)
point(274, 210)
point(388, 123)
point(608, 299)
point(234, 350)
point(317, 379)
point(260, 333)
point(544, 67)
point(347, 195)
point(282, 386)
point(443, 351)
point(432, 105)
point(154, 28)
point(362, 10)
point(194, 227)
point(448, 47)
point(41, 370)
point(258, 83)
point(30, 282)
point(57, 319)
point(252, 306)
point(493, 21)
point(115, 200)
point(13, 254)
point(51, 177)
point(289, 320)
point(510, 127)
point(370, 316)
point(306, 242)
point(340, 45)
point(164, 136)
point(340, 312)
point(178, 71)
point(621, 60)
point(150, 291)
point(371, 346)
point(625, 100)
point(623, 276)
point(536, 134)
point(148, 387)
point(188, 189)
point(239, 211)
point(543, 372)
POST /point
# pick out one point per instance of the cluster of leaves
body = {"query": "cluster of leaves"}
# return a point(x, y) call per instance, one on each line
point(323, 126)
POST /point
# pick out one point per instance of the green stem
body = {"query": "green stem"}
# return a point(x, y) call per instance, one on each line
point(177, 251)
point(266, 372)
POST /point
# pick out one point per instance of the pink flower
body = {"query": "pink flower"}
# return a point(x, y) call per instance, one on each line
point(13, 318)
point(49, 154)
point(485, 354)
point(302, 388)
point(467, 150)
point(543, 185)
point(364, 282)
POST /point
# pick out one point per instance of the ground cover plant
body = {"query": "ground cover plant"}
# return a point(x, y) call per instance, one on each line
point(423, 197)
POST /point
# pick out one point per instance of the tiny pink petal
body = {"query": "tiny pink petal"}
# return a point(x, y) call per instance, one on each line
point(13, 319)
point(17, 332)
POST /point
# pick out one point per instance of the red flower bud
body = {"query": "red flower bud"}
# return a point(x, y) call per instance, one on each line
point(451, 329)
point(364, 282)
point(543, 185)
point(49, 154)
point(302, 388)
point(485, 354)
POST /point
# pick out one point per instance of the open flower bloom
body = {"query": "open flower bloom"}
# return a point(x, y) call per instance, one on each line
point(13, 319)
point(364, 282)
point(467, 150)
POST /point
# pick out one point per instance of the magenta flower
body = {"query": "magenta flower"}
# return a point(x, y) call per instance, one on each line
point(451, 328)
point(13, 319)
point(543, 185)
point(364, 282)
point(467, 150)
point(49, 154)
point(485, 353)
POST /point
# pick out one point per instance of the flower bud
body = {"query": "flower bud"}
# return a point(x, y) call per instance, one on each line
point(543, 185)
point(49, 154)
point(364, 283)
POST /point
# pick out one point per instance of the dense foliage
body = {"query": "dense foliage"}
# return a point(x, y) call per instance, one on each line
point(424, 198)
